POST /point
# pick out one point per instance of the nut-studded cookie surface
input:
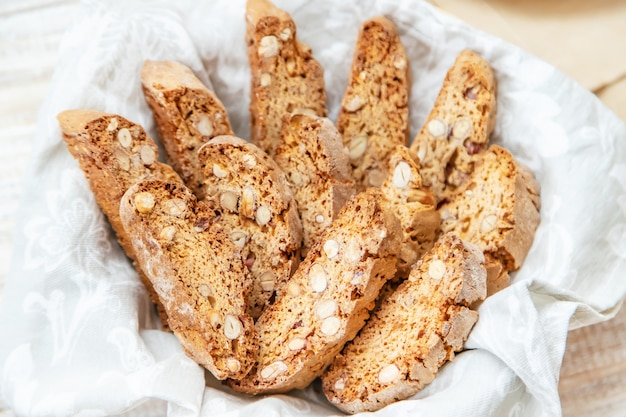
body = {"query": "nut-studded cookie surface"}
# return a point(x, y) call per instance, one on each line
point(374, 115)
point(497, 209)
point(457, 130)
point(413, 333)
point(257, 210)
point(312, 156)
point(328, 299)
point(187, 115)
point(285, 78)
point(414, 205)
point(197, 273)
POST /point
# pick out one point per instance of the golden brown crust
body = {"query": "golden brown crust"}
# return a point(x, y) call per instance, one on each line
point(327, 300)
point(114, 153)
point(257, 210)
point(187, 115)
point(457, 130)
point(374, 115)
point(197, 273)
point(284, 76)
point(316, 165)
point(498, 277)
point(414, 332)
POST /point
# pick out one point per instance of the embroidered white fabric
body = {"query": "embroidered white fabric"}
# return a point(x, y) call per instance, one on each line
point(79, 334)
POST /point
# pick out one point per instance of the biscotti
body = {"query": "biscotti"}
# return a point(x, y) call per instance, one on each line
point(327, 300)
point(497, 208)
point(317, 167)
point(414, 332)
point(457, 130)
point(114, 153)
point(498, 277)
point(284, 76)
point(257, 210)
point(414, 205)
point(197, 273)
point(374, 115)
point(187, 115)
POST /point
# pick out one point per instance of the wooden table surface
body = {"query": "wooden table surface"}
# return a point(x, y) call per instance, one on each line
point(593, 377)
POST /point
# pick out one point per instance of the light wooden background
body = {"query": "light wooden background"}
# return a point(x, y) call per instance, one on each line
point(593, 378)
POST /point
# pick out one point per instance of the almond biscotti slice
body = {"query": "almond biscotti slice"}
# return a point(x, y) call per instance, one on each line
point(327, 300)
point(414, 332)
point(197, 273)
point(497, 209)
point(284, 76)
point(317, 167)
point(414, 205)
point(114, 153)
point(257, 210)
point(187, 115)
point(457, 130)
point(374, 115)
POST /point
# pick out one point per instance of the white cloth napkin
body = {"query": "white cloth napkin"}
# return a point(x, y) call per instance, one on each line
point(78, 334)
